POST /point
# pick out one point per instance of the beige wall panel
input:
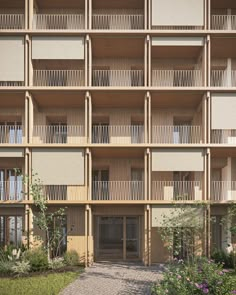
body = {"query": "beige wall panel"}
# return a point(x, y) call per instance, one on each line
point(177, 41)
point(12, 58)
point(118, 210)
point(159, 251)
point(223, 105)
point(177, 160)
point(51, 163)
point(11, 153)
point(59, 47)
point(76, 192)
point(177, 12)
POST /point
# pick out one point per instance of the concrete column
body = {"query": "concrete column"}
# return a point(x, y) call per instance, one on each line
point(229, 71)
point(145, 119)
point(208, 117)
point(31, 13)
point(209, 60)
point(31, 117)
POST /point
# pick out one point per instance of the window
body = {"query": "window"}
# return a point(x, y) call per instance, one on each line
point(11, 230)
point(11, 185)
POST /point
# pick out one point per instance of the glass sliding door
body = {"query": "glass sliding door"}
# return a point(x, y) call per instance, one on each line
point(132, 237)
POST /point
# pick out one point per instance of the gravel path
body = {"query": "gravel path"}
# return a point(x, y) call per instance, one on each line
point(115, 279)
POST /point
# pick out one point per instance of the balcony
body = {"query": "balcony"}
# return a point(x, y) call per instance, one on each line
point(176, 191)
point(58, 78)
point(47, 21)
point(11, 190)
point(64, 192)
point(117, 190)
point(12, 21)
point(11, 134)
point(183, 134)
point(223, 22)
point(223, 136)
point(177, 78)
point(122, 134)
point(223, 191)
point(58, 134)
point(118, 21)
point(223, 78)
point(118, 78)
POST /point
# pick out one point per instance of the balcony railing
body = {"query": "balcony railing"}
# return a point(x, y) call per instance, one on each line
point(117, 190)
point(57, 78)
point(223, 136)
point(11, 83)
point(10, 134)
point(223, 22)
point(177, 134)
point(64, 192)
point(177, 78)
point(64, 134)
point(121, 134)
point(177, 28)
point(58, 22)
point(176, 190)
point(120, 78)
point(118, 21)
point(11, 190)
point(223, 78)
point(223, 191)
point(12, 21)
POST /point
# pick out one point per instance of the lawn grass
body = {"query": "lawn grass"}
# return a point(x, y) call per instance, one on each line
point(45, 284)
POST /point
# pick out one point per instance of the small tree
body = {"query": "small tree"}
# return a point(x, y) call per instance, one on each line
point(49, 222)
point(181, 228)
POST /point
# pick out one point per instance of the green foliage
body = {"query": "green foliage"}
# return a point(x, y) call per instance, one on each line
point(37, 258)
point(71, 258)
point(55, 263)
point(21, 267)
point(6, 267)
point(201, 277)
point(219, 256)
point(51, 284)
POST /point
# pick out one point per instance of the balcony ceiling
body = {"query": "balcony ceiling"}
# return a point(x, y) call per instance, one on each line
point(118, 153)
point(128, 4)
point(58, 4)
point(223, 47)
point(59, 99)
point(176, 51)
point(118, 99)
point(118, 47)
point(176, 100)
point(12, 3)
point(12, 100)
point(217, 4)
point(223, 152)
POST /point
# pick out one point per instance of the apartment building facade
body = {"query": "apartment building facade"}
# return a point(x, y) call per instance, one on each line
point(122, 108)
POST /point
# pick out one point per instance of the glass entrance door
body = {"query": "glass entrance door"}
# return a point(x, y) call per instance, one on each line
point(117, 238)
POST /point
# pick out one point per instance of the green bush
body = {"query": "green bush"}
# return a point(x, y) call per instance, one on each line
point(201, 277)
point(6, 266)
point(71, 258)
point(55, 263)
point(219, 256)
point(21, 267)
point(37, 258)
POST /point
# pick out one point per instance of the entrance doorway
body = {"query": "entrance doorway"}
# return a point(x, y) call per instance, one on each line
point(117, 238)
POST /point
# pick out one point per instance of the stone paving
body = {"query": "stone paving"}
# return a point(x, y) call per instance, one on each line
point(115, 279)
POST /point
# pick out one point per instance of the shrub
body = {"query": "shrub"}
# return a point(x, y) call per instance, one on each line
point(219, 256)
point(21, 267)
point(55, 263)
point(37, 258)
point(71, 258)
point(201, 277)
point(6, 266)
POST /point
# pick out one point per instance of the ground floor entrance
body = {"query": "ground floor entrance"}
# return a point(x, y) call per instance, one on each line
point(117, 238)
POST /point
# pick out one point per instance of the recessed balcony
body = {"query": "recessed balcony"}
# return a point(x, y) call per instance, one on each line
point(12, 190)
point(176, 190)
point(177, 78)
point(223, 191)
point(118, 20)
point(118, 190)
point(223, 78)
point(58, 134)
point(11, 134)
point(12, 21)
point(223, 22)
point(182, 134)
point(223, 136)
point(118, 134)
